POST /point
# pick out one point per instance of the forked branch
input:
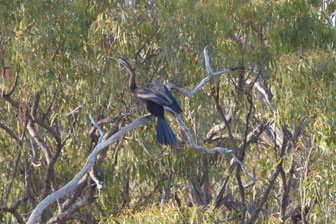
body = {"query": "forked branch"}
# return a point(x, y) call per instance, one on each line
point(207, 79)
point(86, 169)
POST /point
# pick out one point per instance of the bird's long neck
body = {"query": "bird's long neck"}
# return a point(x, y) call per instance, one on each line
point(131, 82)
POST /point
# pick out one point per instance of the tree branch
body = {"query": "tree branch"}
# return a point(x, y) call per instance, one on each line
point(29, 117)
point(14, 85)
point(87, 167)
point(222, 150)
point(270, 185)
point(11, 133)
point(13, 176)
point(44, 114)
point(37, 138)
point(207, 79)
point(16, 204)
point(61, 216)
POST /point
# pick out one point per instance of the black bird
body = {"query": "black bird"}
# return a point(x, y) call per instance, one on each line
point(154, 97)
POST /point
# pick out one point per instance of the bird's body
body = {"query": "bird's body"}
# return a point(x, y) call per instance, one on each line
point(155, 97)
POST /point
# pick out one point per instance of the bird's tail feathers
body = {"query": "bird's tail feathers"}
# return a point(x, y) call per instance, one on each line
point(165, 134)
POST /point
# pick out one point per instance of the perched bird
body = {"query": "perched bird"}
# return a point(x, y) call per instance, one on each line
point(154, 97)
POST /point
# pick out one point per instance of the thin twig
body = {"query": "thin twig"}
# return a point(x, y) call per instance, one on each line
point(44, 115)
point(151, 155)
point(14, 85)
point(13, 176)
point(11, 133)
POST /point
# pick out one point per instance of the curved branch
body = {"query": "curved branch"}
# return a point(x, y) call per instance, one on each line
point(13, 176)
point(16, 105)
point(221, 150)
point(207, 79)
point(86, 169)
point(37, 138)
point(14, 85)
point(11, 133)
point(210, 75)
point(44, 114)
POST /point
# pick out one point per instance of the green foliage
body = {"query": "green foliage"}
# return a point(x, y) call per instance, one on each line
point(66, 49)
point(169, 213)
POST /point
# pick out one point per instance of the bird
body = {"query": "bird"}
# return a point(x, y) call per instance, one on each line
point(155, 96)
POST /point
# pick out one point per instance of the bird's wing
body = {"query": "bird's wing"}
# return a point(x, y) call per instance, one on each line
point(153, 95)
point(162, 88)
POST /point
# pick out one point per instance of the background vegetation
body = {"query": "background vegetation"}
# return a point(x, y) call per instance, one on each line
point(56, 56)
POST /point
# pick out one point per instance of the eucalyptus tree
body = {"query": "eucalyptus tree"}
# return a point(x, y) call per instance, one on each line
point(256, 135)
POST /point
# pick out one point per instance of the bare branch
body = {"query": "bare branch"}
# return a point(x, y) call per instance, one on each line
point(101, 133)
point(264, 197)
point(196, 191)
point(220, 109)
point(271, 183)
point(242, 194)
point(11, 133)
point(37, 138)
point(44, 115)
point(29, 117)
point(222, 150)
point(28, 173)
point(150, 155)
point(92, 175)
point(75, 111)
point(18, 217)
point(223, 136)
point(87, 167)
point(35, 104)
point(210, 74)
point(50, 130)
point(73, 208)
point(15, 205)
point(13, 176)
point(99, 184)
point(77, 192)
point(192, 141)
point(219, 127)
point(14, 85)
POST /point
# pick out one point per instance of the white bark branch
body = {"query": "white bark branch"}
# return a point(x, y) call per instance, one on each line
point(39, 141)
point(192, 141)
point(187, 93)
point(222, 150)
point(86, 169)
point(207, 79)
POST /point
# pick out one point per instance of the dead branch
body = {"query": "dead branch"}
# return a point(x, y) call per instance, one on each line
point(39, 141)
point(274, 176)
point(11, 133)
point(222, 150)
point(44, 114)
point(14, 85)
point(13, 208)
point(36, 213)
point(28, 116)
point(219, 127)
point(61, 216)
point(13, 176)
point(207, 79)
